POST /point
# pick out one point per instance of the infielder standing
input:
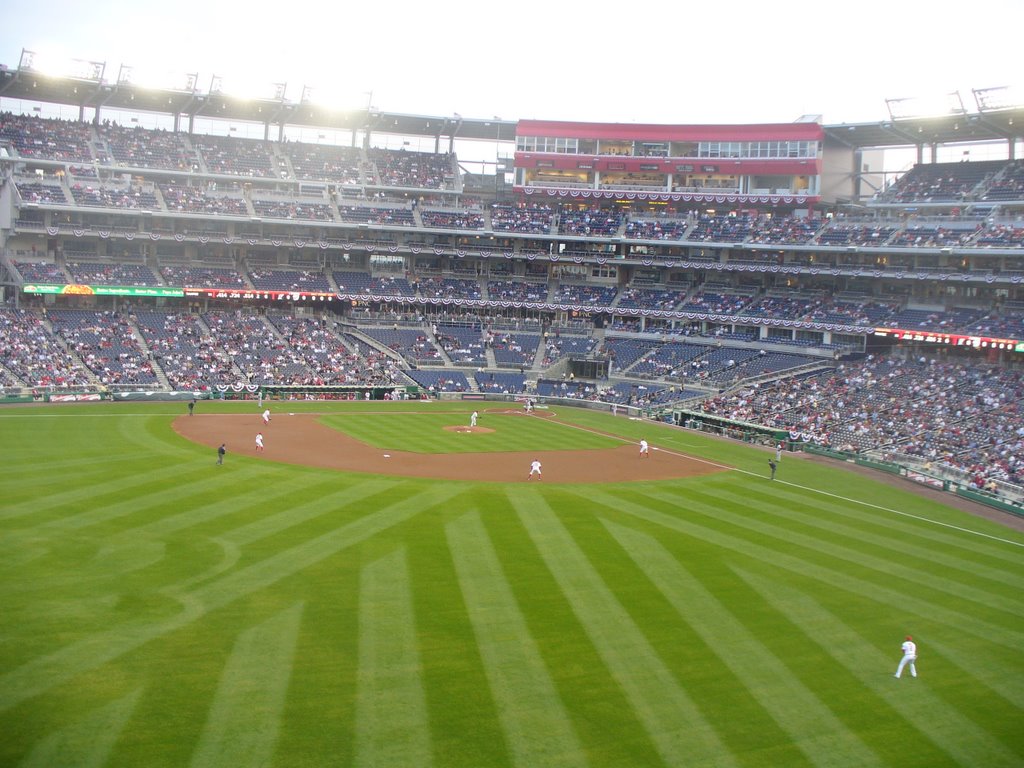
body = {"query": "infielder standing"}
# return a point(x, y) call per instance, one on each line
point(909, 649)
point(266, 416)
point(259, 442)
point(472, 419)
point(534, 470)
point(644, 450)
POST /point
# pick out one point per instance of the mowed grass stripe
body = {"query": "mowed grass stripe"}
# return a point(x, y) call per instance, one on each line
point(532, 715)
point(156, 495)
point(392, 728)
point(840, 543)
point(681, 735)
point(45, 672)
point(805, 718)
point(321, 504)
point(68, 493)
point(962, 740)
point(244, 719)
point(913, 536)
point(1009, 686)
point(131, 549)
point(711, 529)
point(86, 743)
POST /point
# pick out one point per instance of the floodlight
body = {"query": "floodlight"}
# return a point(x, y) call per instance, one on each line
point(53, 65)
point(941, 105)
point(162, 81)
point(338, 99)
point(1003, 97)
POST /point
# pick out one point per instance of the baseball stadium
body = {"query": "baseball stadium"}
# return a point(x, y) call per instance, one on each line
point(329, 454)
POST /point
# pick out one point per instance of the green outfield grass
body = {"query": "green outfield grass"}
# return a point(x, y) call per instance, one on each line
point(158, 610)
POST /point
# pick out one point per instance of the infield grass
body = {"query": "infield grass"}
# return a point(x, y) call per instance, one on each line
point(158, 610)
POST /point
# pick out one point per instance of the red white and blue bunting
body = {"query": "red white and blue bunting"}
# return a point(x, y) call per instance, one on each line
point(665, 197)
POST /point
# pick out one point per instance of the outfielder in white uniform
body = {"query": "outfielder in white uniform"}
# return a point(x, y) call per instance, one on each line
point(534, 470)
point(909, 649)
point(644, 450)
point(259, 442)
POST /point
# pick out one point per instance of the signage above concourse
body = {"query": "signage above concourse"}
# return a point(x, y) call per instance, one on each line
point(951, 339)
point(252, 294)
point(78, 289)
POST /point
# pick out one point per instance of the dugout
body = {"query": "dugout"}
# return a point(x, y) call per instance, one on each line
point(737, 430)
point(338, 392)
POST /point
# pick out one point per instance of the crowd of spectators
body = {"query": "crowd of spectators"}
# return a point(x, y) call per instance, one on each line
point(188, 199)
point(106, 343)
point(713, 302)
point(255, 350)
point(516, 290)
point(138, 147)
point(842, 233)
point(967, 418)
point(325, 162)
point(942, 182)
point(721, 228)
point(290, 280)
point(657, 229)
point(585, 294)
point(100, 273)
point(202, 277)
point(29, 352)
point(293, 209)
point(236, 157)
point(413, 344)
point(399, 168)
point(40, 192)
point(784, 230)
point(41, 272)
point(122, 196)
point(448, 287)
point(190, 357)
point(377, 215)
point(1007, 185)
point(452, 219)
point(329, 360)
point(650, 298)
point(592, 221)
point(522, 218)
point(50, 139)
point(931, 236)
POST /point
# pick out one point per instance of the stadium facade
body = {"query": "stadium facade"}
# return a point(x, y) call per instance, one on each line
point(752, 247)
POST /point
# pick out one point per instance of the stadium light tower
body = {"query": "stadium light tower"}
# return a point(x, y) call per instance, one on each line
point(995, 99)
point(161, 81)
point(58, 66)
point(942, 105)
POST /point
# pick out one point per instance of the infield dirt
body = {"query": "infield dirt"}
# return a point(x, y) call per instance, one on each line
point(302, 439)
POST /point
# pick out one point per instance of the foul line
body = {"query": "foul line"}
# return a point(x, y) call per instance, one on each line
point(802, 487)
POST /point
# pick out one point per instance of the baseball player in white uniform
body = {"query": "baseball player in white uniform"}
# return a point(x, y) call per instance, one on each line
point(259, 442)
point(473, 418)
point(909, 649)
point(266, 416)
point(534, 470)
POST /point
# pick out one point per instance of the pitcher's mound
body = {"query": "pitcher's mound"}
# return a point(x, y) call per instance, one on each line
point(461, 428)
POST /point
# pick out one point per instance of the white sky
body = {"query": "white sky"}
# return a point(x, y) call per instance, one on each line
point(743, 61)
point(659, 62)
